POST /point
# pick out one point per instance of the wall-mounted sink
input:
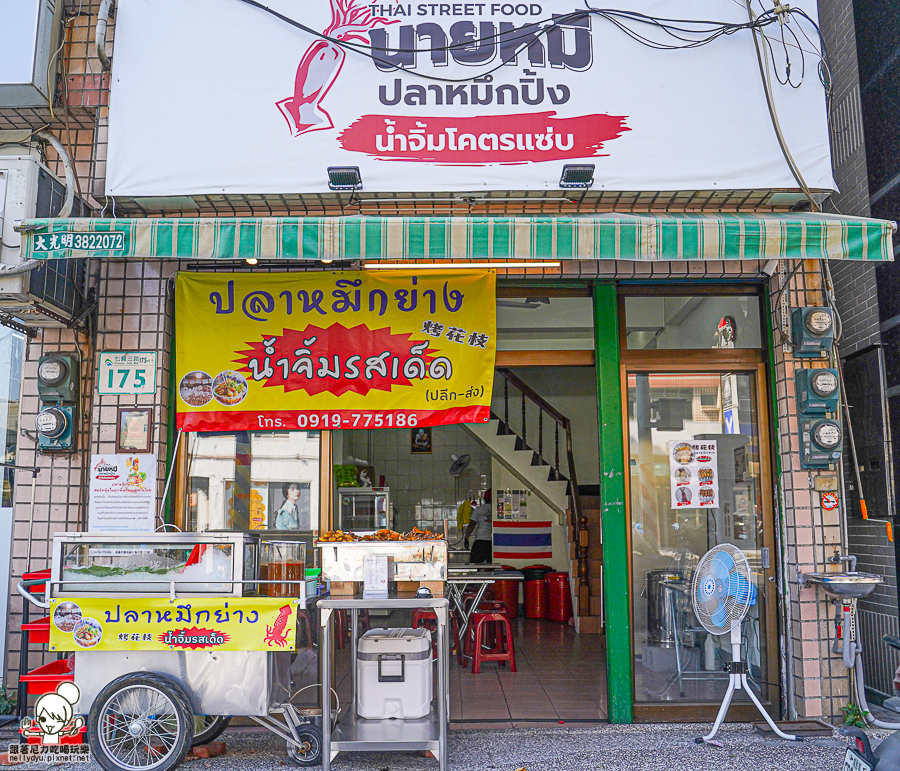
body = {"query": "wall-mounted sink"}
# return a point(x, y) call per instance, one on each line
point(845, 586)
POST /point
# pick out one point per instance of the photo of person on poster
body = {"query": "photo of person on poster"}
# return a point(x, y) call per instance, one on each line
point(293, 514)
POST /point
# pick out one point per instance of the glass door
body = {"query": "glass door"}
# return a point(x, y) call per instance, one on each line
point(698, 478)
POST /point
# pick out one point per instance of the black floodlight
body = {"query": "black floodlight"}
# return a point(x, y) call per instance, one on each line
point(344, 178)
point(577, 175)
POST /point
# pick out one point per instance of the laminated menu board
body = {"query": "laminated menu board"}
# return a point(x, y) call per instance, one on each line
point(122, 494)
point(694, 474)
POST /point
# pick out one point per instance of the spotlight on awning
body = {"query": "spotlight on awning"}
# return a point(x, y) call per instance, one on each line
point(344, 178)
point(577, 175)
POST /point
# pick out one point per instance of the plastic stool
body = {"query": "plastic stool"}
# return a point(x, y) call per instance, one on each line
point(480, 622)
point(422, 617)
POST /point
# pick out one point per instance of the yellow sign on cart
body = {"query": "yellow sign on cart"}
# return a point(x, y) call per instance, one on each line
point(352, 349)
point(156, 624)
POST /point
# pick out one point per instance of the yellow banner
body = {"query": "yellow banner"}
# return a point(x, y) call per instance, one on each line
point(354, 349)
point(155, 624)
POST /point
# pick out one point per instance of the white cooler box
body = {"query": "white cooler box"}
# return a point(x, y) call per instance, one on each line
point(393, 668)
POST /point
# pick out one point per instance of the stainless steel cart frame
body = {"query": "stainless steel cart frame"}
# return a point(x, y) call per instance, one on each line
point(356, 734)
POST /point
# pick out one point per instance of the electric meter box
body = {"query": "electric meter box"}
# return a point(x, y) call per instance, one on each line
point(55, 428)
point(817, 390)
point(813, 331)
point(393, 672)
point(820, 442)
point(58, 375)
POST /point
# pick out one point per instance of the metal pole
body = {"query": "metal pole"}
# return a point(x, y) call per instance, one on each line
point(162, 505)
point(34, 474)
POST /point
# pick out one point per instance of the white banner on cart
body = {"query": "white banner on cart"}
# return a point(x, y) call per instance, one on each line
point(694, 475)
point(219, 96)
point(122, 494)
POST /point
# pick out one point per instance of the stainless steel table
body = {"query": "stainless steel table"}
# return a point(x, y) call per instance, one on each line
point(356, 734)
point(481, 576)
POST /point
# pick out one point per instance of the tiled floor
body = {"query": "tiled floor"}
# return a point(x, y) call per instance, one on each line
point(559, 676)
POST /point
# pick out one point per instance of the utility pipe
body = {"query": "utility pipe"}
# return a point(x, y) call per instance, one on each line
point(69, 169)
point(100, 33)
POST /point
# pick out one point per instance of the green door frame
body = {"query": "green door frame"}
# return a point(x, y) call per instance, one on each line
point(614, 512)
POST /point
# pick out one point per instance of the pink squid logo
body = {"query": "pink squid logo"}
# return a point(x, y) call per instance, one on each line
point(321, 64)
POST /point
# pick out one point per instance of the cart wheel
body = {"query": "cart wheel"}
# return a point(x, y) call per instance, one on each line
point(309, 751)
point(140, 722)
point(208, 727)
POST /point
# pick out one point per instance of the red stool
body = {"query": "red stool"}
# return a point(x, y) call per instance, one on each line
point(422, 617)
point(489, 640)
point(342, 629)
point(503, 651)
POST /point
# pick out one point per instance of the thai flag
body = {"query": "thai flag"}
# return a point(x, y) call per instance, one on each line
point(522, 541)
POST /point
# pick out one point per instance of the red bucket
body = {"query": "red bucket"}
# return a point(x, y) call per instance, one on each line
point(559, 596)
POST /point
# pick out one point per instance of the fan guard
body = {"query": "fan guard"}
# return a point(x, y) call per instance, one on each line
point(723, 589)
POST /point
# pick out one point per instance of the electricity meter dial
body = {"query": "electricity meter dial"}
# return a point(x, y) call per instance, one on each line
point(818, 391)
point(820, 442)
point(812, 331)
point(57, 376)
point(54, 427)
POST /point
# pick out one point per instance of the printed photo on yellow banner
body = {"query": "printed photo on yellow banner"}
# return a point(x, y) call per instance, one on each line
point(342, 349)
point(155, 624)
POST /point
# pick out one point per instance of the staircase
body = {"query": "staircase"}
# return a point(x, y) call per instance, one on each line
point(532, 453)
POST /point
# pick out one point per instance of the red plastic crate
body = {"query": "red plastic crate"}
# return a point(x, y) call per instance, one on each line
point(38, 630)
point(37, 575)
point(45, 679)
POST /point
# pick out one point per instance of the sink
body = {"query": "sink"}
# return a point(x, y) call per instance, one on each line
point(845, 586)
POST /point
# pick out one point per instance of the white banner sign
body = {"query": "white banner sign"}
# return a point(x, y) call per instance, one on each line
point(218, 96)
point(694, 475)
point(123, 494)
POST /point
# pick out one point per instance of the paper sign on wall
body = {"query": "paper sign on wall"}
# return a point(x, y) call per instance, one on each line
point(694, 475)
point(123, 493)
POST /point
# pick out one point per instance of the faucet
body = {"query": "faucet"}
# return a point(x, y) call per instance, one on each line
point(837, 559)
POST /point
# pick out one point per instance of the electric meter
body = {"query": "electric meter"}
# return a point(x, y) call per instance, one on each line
point(813, 331)
point(820, 442)
point(54, 427)
point(817, 391)
point(58, 379)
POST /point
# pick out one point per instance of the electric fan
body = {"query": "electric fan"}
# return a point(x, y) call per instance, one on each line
point(723, 592)
point(458, 464)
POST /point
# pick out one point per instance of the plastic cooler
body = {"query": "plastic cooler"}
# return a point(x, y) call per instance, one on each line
point(507, 592)
point(558, 596)
point(536, 590)
point(393, 668)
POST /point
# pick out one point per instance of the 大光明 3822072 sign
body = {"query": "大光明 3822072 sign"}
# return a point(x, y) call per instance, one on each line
point(334, 350)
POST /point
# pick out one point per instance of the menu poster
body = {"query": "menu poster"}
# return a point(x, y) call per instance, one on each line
point(694, 474)
point(122, 493)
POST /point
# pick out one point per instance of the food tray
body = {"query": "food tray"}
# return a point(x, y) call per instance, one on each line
point(45, 679)
point(410, 560)
point(38, 630)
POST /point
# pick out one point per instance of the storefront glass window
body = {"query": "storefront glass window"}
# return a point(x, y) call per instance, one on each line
point(675, 658)
point(12, 347)
point(254, 481)
point(545, 324)
point(700, 321)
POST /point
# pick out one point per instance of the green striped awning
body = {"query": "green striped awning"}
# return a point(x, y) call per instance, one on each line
point(607, 236)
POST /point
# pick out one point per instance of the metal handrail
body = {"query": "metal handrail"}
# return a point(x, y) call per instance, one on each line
point(562, 420)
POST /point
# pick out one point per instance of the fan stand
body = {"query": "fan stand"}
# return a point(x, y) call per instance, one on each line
point(737, 680)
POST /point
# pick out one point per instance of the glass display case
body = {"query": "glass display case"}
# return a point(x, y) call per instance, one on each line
point(148, 564)
point(363, 509)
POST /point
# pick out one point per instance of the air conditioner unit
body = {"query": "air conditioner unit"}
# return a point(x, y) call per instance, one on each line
point(30, 39)
point(51, 295)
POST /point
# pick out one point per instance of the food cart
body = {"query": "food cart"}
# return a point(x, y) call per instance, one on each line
point(157, 629)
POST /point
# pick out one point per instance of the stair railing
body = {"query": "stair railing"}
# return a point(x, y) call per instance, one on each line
point(576, 519)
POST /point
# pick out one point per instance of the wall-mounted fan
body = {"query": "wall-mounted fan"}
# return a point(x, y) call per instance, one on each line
point(723, 593)
point(458, 464)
